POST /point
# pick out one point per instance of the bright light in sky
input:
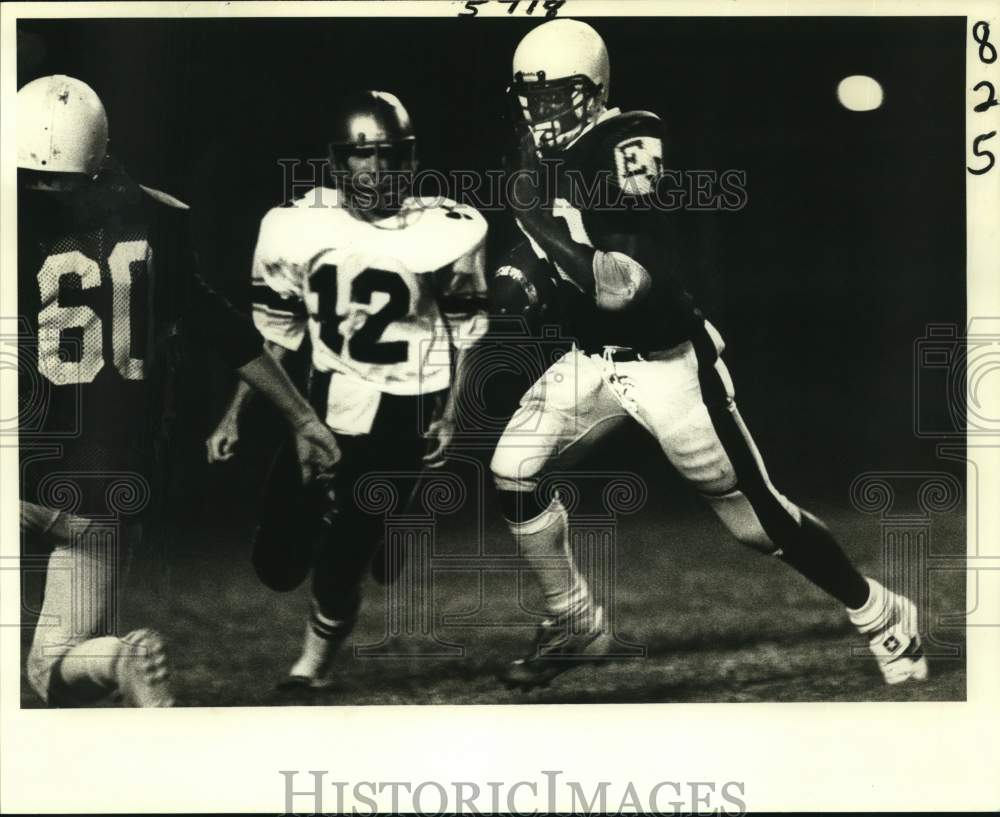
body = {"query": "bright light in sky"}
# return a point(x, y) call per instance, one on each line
point(859, 93)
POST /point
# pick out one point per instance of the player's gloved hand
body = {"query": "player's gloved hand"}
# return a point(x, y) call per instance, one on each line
point(221, 443)
point(440, 432)
point(317, 450)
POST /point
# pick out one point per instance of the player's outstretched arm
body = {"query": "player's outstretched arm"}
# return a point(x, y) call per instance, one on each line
point(314, 442)
point(221, 443)
point(240, 345)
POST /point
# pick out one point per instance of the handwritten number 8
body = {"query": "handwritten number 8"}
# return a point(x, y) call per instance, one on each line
point(981, 34)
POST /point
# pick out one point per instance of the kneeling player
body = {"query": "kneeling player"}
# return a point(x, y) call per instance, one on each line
point(644, 353)
point(385, 284)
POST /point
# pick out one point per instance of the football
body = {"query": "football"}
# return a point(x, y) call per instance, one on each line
point(525, 286)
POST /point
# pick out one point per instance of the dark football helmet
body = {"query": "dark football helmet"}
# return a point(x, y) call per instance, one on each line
point(373, 125)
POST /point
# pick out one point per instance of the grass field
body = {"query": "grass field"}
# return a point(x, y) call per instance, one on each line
point(717, 623)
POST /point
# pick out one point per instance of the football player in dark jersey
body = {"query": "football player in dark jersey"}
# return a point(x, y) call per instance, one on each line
point(106, 276)
point(643, 352)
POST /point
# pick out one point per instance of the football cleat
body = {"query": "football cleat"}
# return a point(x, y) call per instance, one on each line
point(312, 670)
point(891, 624)
point(141, 670)
point(558, 649)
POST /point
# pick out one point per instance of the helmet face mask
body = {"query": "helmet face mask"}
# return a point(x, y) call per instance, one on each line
point(374, 178)
point(555, 111)
point(373, 153)
point(561, 75)
point(56, 184)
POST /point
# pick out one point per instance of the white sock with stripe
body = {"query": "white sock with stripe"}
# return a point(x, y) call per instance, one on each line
point(323, 637)
point(544, 543)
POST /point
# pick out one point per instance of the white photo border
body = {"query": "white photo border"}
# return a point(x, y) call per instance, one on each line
point(844, 756)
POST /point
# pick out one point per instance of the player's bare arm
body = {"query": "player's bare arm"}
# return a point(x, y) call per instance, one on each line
point(461, 300)
point(237, 340)
point(221, 443)
point(314, 442)
point(441, 430)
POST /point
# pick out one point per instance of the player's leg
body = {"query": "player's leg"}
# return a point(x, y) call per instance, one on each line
point(289, 525)
point(567, 409)
point(75, 660)
point(686, 400)
point(393, 447)
point(338, 558)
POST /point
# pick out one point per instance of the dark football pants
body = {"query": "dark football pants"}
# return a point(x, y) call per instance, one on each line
point(390, 454)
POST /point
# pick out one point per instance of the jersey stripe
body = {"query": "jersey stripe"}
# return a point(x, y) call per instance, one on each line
point(265, 296)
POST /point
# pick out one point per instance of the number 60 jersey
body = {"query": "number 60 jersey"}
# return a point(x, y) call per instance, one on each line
point(107, 286)
point(371, 293)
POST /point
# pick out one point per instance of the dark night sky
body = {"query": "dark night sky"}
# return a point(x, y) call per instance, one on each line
point(852, 241)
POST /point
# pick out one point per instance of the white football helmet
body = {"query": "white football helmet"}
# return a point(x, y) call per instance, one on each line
point(560, 81)
point(61, 127)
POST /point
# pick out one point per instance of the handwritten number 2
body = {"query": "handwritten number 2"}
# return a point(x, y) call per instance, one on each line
point(991, 96)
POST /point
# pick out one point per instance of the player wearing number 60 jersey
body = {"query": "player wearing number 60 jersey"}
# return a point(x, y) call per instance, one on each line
point(106, 281)
point(385, 287)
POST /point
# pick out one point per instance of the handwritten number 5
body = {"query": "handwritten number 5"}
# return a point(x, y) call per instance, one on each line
point(472, 8)
point(991, 159)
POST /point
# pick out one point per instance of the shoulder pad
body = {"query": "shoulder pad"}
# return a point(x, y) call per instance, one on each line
point(463, 211)
point(632, 123)
point(321, 195)
point(163, 198)
point(449, 208)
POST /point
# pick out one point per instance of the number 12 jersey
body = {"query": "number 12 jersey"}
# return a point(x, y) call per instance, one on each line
point(384, 300)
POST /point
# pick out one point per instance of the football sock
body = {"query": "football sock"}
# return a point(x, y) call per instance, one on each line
point(87, 672)
point(816, 554)
point(874, 614)
point(544, 543)
point(323, 637)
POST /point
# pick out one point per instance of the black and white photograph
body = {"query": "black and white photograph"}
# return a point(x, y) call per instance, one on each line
point(521, 363)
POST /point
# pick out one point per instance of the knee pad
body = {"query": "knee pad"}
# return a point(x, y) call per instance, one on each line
point(513, 471)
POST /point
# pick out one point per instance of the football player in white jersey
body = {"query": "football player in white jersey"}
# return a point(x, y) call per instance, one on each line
point(385, 286)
